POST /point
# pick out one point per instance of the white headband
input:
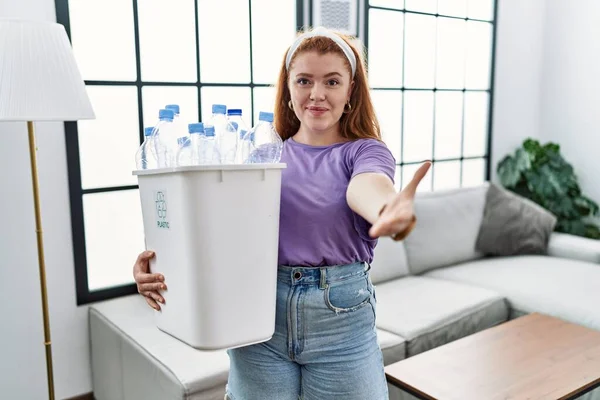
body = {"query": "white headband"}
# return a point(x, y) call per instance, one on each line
point(321, 31)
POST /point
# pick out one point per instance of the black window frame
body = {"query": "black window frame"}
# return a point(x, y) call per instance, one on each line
point(490, 91)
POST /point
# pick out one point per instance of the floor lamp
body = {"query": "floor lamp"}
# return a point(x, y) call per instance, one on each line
point(40, 81)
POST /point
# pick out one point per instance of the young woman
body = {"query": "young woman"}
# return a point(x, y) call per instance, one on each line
point(337, 198)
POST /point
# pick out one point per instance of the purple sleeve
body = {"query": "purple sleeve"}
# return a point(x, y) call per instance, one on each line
point(373, 156)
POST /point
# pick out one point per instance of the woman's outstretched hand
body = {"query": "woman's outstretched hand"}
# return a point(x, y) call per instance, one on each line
point(397, 217)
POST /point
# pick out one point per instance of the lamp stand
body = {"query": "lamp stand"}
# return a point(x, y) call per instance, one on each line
point(41, 262)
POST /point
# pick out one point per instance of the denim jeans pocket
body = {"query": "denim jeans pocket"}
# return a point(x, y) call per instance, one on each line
point(348, 295)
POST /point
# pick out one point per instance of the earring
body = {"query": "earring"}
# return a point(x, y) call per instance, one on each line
point(347, 107)
point(290, 105)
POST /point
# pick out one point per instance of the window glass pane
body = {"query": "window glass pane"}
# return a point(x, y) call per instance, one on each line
point(114, 236)
point(103, 52)
point(427, 6)
point(455, 8)
point(476, 121)
point(271, 37)
point(397, 4)
point(408, 171)
point(448, 124)
point(481, 9)
point(167, 40)
point(264, 100)
point(473, 171)
point(388, 107)
point(451, 53)
point(232, 97)
point(224, 41)
point(385, 48)
point(479, 55)
point(107, 144)
point(418, 126)
point(446, 175)
point(156, 97)
point(419, 61)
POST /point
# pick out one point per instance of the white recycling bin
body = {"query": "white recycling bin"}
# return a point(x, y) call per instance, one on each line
point(215, 232)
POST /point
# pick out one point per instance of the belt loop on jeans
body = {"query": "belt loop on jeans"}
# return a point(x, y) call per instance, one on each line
point(323, 281)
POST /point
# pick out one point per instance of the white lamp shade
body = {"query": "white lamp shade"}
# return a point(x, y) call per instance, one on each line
point(39, 78)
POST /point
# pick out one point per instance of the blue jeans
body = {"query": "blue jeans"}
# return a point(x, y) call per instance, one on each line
point(325, 343)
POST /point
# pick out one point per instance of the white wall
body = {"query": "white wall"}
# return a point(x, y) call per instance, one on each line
point(570, 87)
point(547, 62)
point(22, 358)
point(517, 86)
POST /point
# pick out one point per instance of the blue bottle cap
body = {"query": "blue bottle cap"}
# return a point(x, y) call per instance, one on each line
point(219, 108)
point(209, 131)
point(243, 133)
point(166, 114)
point(234, 125)
point(197, 127)
point(234, 111)
point(148, 131)
point(174, 107)
point(265, 116)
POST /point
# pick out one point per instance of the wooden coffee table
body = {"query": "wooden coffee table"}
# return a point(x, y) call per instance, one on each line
point(531, 357)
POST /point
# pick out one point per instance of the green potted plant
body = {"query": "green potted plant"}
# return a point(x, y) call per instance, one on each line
point(539, 173)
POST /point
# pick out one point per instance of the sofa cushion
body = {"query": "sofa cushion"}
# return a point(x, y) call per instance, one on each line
point(513, 225)
point(389, 260)
point(392, 346)
point(430, 312)
point(448, 223)
point(560, 287)
point(132, 359)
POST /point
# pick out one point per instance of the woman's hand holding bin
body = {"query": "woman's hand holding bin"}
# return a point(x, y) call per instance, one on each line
point(148, 284)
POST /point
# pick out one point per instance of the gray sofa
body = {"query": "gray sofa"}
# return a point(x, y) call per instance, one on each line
point(431, 289)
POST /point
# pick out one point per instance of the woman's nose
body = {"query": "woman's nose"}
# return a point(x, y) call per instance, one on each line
point(317, 93)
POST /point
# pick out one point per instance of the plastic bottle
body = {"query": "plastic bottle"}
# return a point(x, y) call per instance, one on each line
point(145, 157)
point(235, 115)
point(196, 131)
point(267, 144)
point(235, 124)
point(178, 123)
point(184, 155)
point(245, 146)
point(165, 140)
point(228, 140)
point(218, 119)
point(209, 152)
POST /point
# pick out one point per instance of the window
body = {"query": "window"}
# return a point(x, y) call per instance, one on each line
point(429, 68)
point(430, 71)
point(153, 53)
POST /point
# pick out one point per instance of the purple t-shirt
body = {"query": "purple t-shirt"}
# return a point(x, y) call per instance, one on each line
point(317, 227)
